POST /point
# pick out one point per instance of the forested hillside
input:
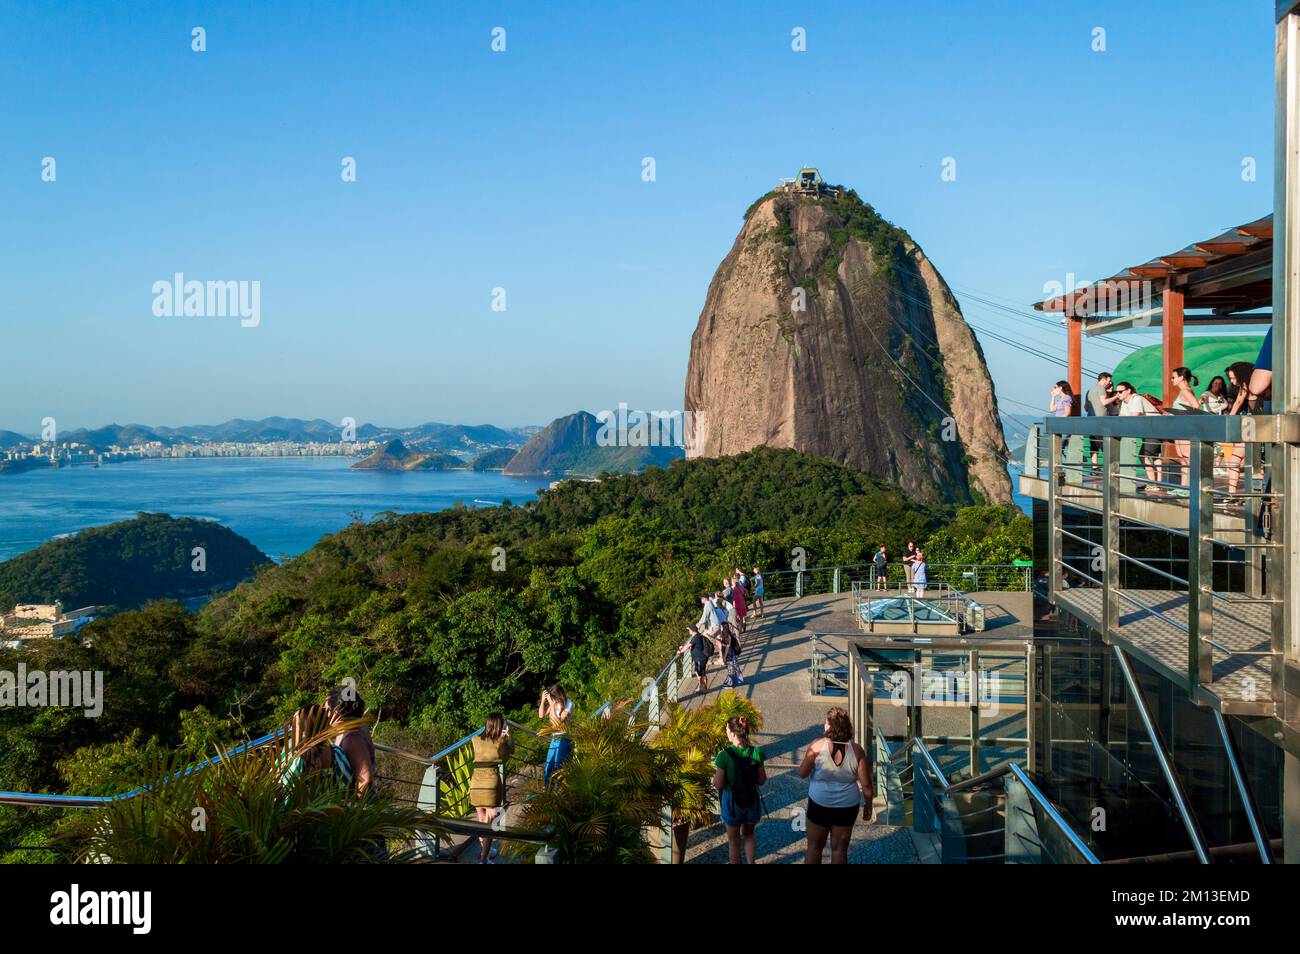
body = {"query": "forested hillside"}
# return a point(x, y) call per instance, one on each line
point(127, 563)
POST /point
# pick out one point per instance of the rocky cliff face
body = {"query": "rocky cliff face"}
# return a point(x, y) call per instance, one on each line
point(826, 329)
point(575, 445)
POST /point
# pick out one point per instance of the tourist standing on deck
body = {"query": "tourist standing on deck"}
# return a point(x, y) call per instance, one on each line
point(920, 574)
point(738, 775)
point(881, 561)
point(757, 580)
point(344, 704)
point(724, 625)
point(1133, 404)
point(701, 648)
point(1100, 403)
point(731, 655)
point(555, 709)
point(708, 621)
point(1234, 455)
point(1061, 404)
point(909, 561)
point(840, 783)
point(1215, 399)
point(487, 786)
point(738, 601)
point(1185, 400)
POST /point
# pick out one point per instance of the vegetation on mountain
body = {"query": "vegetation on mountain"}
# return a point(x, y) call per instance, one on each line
point(125, 564)
point(495, 459)
point(395, 455)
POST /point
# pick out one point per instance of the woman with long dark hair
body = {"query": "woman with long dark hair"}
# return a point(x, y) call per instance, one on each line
point(1215, 398)
point(1234, 455)
point(840, 782)
point(1184, 400)
point(556, 708)
point(487, 786)
point(1061, 404)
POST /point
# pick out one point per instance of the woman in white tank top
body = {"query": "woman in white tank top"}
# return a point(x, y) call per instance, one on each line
point(839, 777)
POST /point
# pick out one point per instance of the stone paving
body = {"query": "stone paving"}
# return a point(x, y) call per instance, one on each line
point(774, 662)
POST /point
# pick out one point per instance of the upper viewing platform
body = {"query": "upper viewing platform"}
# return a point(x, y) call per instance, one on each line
point(1170, 518)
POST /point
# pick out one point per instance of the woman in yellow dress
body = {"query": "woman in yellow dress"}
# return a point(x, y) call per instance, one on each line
point(487, 786)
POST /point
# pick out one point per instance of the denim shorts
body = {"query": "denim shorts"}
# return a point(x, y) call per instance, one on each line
point(734, 816)
point(557, 753)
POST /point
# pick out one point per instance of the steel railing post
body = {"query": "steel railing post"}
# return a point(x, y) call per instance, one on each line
point(1110, 536)
point(1055, 553)
point(1031, 708)
point(1185, 812)
point(1200, 567)
point(973, 680)
point(1239, 778)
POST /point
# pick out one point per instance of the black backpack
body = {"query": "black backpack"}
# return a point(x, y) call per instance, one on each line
point(744, 779)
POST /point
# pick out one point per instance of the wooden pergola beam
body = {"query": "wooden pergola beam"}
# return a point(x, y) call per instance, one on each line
point(1076, 361)
point(1171, 339)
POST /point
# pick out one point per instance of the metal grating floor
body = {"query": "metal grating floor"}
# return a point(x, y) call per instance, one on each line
point(1241, 683)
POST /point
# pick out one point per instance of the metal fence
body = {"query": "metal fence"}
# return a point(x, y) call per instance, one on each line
point(966, 577)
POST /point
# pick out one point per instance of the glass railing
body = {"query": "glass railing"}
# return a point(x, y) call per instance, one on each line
point(1205, 482)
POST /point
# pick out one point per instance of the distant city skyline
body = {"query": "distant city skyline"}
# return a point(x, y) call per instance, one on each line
point(517, 177)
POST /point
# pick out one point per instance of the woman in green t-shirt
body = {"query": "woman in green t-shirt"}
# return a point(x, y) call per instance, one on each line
point(738, 775)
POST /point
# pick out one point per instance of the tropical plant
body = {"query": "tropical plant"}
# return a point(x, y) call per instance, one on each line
point(689, 735)
point(453, 783)
point(245, 806)
point(728, 705)
point(602, 799)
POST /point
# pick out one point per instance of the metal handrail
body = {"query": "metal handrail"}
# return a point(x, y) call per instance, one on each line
point(90, 801)
point(1042, 801)
point(1000, 572)
point(1219, 428)
point(943, 788)
point(439, 756)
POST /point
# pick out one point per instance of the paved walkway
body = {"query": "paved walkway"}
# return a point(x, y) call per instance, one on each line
point(775, 660)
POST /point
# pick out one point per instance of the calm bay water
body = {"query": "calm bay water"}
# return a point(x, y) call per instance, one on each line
point(282, 505)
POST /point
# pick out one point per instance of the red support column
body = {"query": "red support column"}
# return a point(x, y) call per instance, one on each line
point(1076, 361)
point(1171, 339)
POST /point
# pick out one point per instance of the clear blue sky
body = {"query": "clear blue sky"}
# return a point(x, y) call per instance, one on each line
point(523, 170)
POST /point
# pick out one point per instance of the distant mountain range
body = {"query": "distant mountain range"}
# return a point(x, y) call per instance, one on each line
point(468, 439)
point(570, 445)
